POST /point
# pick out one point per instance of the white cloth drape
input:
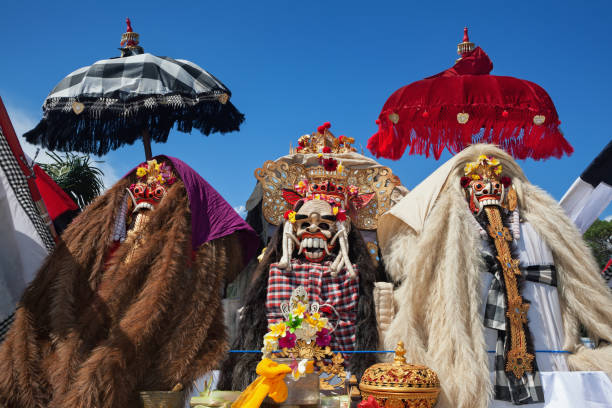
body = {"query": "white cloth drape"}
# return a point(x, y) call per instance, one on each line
point(545, 322)
point(21, 249)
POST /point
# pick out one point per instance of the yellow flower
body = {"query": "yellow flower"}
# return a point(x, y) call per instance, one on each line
point(317, 196)
point(482, 158)
point(320, 155)
point(301, 184)
point(335, 210)
point(291, 217)
point(263, 252)
point(277, 330)
point(498, 170)
point(493, 161)
point(160, 179)
point(475, 177)
point(339, 168)
point(141, 172)
point(315, 320)
point(299, 310)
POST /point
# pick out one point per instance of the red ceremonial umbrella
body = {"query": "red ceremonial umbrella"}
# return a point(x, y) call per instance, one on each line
point(465, 105)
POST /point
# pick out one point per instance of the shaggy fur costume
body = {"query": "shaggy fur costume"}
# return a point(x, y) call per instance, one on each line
point(93, 331)
point(439, 304)
point(238, 371)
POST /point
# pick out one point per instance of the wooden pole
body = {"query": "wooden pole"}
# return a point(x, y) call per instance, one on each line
point(146, 140)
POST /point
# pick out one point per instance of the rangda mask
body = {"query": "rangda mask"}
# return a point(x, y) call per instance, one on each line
point(315, 225)
point(319, 220)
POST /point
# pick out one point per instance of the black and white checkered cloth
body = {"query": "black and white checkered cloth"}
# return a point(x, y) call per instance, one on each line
point(19, 184)
point(527, 389)
point(131, 83)
point(101, 107)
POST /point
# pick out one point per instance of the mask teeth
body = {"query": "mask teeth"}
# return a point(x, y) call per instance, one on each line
point(147, 206)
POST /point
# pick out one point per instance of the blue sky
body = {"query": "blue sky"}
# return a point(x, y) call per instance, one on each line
point(293, 65)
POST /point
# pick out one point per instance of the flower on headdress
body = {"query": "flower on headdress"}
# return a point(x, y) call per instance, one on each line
point(506, 181)
point(329, 164)
point(290, 216)
point(287, 341)
point(475, 177)
point(340, 168)
point(493, 161)
point(498, 170)
point(299, 148)
point(482, 158)
point(160, 179)
point(326, 149)
point(141, 172)
point(465, 181)
point(335, 210)
point(319, 155)
point(341, 216)
point(277, 330)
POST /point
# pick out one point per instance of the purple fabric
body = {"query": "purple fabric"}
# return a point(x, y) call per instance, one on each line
point(211, 216)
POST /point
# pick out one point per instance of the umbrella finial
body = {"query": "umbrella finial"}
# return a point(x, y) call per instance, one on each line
point(129, 41)
point(465, 46)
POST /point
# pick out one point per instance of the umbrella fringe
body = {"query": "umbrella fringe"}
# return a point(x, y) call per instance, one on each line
point(517, 134)
point(99, 131)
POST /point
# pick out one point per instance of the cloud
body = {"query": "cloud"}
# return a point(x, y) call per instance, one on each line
point(241, 210)
point(23, 121)
point(608, 218)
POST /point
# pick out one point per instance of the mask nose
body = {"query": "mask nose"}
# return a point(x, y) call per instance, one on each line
point(315, 218)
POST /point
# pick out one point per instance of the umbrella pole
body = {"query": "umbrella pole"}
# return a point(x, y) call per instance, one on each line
point(146, 140)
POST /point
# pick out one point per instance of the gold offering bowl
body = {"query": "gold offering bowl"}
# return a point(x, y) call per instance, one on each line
point(399, 384)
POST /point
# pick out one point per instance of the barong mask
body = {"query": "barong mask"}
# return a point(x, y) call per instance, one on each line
point(145, 195)
point(484, 185)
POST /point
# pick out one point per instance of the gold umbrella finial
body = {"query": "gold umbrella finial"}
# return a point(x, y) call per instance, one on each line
point(465, 46)
point(399, 354)
point(129, 41)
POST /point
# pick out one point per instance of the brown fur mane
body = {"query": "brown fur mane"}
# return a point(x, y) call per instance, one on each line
point(92, 331)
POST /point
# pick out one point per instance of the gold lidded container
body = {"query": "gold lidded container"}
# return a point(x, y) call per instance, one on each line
point(399, 384)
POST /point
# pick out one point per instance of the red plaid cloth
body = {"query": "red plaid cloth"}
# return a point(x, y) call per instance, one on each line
point(341, 292)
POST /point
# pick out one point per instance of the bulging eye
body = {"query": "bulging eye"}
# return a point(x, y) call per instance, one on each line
point(159, 192)
point(479, 186)
point(138, 190)
point(324, 226)
point(496, 185)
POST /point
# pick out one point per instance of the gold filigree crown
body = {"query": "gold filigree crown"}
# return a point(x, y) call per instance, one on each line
point(487, 167)
point(323, 141)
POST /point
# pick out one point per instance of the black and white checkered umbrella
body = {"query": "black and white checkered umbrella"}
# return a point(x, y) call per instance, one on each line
point(116, 101)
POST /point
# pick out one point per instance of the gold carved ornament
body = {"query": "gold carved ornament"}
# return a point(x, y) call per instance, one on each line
point(274, 176)
point(518, 360)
